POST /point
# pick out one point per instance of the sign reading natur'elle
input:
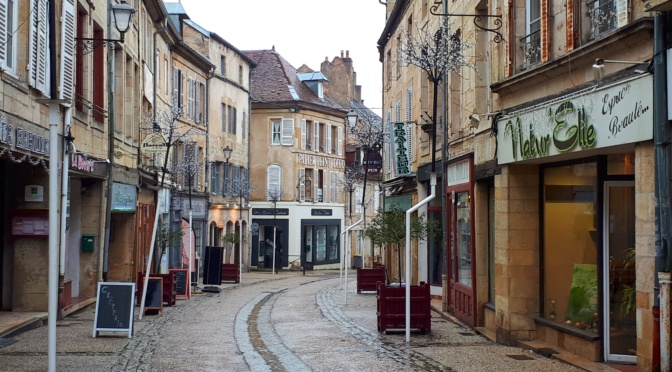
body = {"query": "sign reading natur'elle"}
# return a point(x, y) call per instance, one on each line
point(615, 115)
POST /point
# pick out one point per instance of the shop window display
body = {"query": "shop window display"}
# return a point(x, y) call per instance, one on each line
point(570, 246)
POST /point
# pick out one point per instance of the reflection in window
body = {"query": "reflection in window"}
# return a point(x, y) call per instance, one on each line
point(463, 239)
point(321, 236)
point(570, 249)
point(332, 249)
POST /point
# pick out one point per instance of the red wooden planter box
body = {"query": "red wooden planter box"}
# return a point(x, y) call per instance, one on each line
point(367, 279)
point(392, 308)
point(231, 273)
point(169, 287)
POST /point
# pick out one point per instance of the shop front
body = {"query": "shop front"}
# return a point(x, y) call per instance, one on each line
point(270, 232)
point(574, 206)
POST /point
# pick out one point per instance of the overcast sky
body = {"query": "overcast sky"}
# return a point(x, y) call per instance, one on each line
point(302, 31)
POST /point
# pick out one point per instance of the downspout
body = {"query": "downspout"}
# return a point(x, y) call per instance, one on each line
point(154, 83)
point(110, 145)
point(249, 163)
point(444, 157)
point(661, 137)
point(426, 200)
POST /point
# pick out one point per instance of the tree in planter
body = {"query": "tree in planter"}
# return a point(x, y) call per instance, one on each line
point(233, 239)
point(166, 237)
point(388, 228)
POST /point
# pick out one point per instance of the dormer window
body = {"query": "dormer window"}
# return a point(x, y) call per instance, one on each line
point(314, 81)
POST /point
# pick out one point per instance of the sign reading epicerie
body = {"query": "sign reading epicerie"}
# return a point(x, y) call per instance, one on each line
point(613, 116)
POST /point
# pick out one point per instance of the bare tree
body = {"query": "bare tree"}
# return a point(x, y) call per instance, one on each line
point(436, 54)
point(352, 177)
point(167, 123)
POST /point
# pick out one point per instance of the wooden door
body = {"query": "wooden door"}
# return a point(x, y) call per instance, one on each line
point(461, 262)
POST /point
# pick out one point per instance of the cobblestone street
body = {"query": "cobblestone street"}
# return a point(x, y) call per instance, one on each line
point(283, 322)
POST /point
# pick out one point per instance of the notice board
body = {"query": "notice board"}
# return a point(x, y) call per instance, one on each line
point(212, 265)
point(114, 308)
point(154, 297)
point(182, 278)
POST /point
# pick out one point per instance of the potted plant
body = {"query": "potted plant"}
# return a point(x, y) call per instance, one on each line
point(231, 271)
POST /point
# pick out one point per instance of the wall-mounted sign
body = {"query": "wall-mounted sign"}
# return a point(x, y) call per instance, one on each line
point(17, 137)
point(30, 225)
point(401, 148)
point(373, 162)
point(321, 161)
point(154, 143)
point(615, 115)
point(124, 198)
point(33, 193)
point(198, 207)
point(81, 163)
point(321, 212)
point(270, 211)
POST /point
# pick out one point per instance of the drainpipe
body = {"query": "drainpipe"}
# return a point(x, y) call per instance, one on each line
point(154, 83)
point(661, 137)
point(64, 201)
point(110, 144)
point(444, 157)
point(432, 182)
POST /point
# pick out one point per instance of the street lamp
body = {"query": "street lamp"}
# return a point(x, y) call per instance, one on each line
point(352, 118)
point(122, 14)
point(227, 153)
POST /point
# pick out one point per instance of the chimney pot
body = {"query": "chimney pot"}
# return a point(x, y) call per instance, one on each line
point(347, 54)
point(341, 54)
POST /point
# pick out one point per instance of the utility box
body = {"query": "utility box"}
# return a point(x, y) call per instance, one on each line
point(88, 242)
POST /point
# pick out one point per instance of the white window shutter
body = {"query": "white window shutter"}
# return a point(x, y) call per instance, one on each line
point(197, 93)
point(273, 187)
point(316, 131)
point(3, 32)
point(176, 89)
point(287, 132)
point(302, 183)
point(67, 52)
point(327, 145)
point(358, 199)
point(66, 90)
point(326, 188)
point(303, 134)
point(316, 183)
point(340, 141)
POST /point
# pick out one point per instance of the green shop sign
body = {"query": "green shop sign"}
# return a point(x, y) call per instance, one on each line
point(612, 116)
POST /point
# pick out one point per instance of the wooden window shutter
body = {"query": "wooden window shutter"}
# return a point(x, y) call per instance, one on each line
point(570, 25)
point(340, 141)
point(176, 87)
point(3, 32)
point(67, 51)
point(287, 132)
point(302, 184)
point(273, 187)
point(327, 141)
point(40, 61)
point(316, 131)
point(510, 45)
point(197, 105)
point(303, 134)
point(545, 32)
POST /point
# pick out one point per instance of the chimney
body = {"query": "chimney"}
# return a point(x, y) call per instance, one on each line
point(326, 59)
point(347, 54)
point(341, 54)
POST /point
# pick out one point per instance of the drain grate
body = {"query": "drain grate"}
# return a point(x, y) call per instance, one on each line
point(519, 357)
point(466, 333)
point(4, 342)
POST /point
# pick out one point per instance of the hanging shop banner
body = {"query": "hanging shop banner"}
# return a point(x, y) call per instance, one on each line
point(373, 162)
point(614, 115)
point(124, 198)
point(401, 148)
point(154, 143)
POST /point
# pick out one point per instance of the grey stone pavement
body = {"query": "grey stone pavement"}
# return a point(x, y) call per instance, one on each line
point(282, 322)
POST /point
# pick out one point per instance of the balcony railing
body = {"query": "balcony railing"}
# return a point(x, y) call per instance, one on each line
point(603, 16)
point(531, 47)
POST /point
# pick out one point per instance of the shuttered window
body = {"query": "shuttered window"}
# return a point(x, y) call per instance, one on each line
point(8, 44)
point(276, 130)
point(39, 47)
point(316, 140)
point(67, 83)
point(303, 134)
point(327, 141)
point(340, 141)
point(273, 185)
point(287, 132)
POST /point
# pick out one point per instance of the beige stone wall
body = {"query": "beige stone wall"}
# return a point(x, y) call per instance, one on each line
point(645, 247)
point(516, 252)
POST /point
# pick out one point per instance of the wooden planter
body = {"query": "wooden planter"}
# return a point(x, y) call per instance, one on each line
point(231, 273)
point(368, 279)
point(392, 308)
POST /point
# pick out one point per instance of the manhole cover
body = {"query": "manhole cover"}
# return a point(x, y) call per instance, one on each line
point(519, 357)
point(4, 342)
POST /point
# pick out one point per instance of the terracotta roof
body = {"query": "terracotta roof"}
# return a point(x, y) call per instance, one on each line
point(272, 78)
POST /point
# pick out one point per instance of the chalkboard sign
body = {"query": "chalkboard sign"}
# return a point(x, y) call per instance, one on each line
point(182, 282)
point(154, 298)
point(212, 265)
point(114, 308)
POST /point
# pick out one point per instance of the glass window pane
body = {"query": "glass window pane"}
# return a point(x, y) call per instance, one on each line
point(570, 250)
point(333, 243)
point(321, 247)
point(463, 239)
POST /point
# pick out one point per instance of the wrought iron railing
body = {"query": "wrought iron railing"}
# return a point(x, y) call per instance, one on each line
point(531, 47)
point(603, 16)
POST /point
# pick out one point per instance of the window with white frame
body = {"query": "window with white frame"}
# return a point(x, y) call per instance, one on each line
point(38, 44)
point(8, 22)
point(274, 182)
point(531, 42)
